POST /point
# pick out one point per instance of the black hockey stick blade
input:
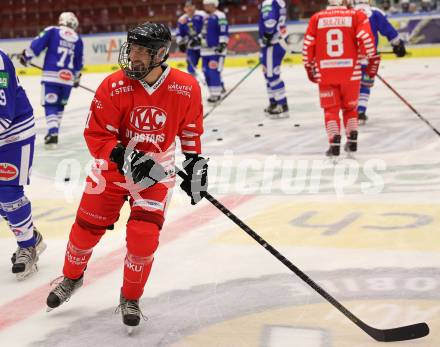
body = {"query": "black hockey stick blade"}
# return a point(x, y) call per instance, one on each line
point(409, 332)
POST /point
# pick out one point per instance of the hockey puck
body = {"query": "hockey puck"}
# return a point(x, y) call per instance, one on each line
point(257, 135)
point(214, 130)
point(219, 139)
point(261, 124)
point(296, 125)
point(67, 179)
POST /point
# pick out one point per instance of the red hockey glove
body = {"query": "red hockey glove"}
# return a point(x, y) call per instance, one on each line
point(311, 73)
point(373, 66)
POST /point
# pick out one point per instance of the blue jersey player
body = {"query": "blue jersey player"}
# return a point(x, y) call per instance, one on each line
point(379, 25)
point(61, 71)
point(272, 34)
point(189, 35)
point(215, 36)
point(17, 138)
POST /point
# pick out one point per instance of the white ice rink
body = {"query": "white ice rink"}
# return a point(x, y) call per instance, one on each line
point(367, 230)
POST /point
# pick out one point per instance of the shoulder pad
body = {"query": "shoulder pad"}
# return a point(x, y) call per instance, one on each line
point(220, 14)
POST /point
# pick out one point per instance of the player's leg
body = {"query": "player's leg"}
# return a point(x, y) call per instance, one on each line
point(50, 99)
point(96, 213)
point(275, 55)
point(221, 66)
point(365, 90)
point(331, 103)
point(350, 97)
point(205, 69)
point(263, 61)
point(64, 98)
point(214, 84)
point(16, 208)
point(143, 229)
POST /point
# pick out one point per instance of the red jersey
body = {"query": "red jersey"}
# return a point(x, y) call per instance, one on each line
point(148, 117)
point(334, 40)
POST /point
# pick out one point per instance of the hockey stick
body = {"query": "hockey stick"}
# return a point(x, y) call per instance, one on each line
point(232, 89)
point(409, 105)
point(81, 86)
point(408, 332)
point(198, 75)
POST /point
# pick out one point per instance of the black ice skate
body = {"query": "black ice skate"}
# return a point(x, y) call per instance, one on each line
point(40, 246)
point(271, 105)
point(351, 144)
point(131, 313)
point(214, 99)
point(63, 291)
point(335, 147)
point(362, 118)
point(277, 111)
point(51, 141)
point(25, 262)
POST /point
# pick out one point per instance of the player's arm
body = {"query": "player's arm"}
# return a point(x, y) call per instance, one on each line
point(181, 34)
point(196, 167)
point(366, 44)
point(37, 45)
point(78, 63)
point(103, 122)
point(386, 29)
point(270, 16)
point(309, 49)
point(223, 39)
point(8, 87)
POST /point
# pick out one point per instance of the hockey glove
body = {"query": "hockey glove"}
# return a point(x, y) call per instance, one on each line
point(137, 165)
point(266, 39)
point(399, 49)
point(182, 47)
point(23, 59)
point(196, 182)
point(311, 73)
point(196, 41)
point(221, 48)
point(76, 80)
point(373, 66)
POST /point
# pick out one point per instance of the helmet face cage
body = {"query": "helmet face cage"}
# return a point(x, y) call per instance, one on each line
point(157, 57)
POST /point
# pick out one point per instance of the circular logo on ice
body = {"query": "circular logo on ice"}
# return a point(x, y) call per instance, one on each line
point(148, 118)
point(8, 172)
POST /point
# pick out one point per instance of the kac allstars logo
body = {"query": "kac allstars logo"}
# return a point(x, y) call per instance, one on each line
point(148, 118)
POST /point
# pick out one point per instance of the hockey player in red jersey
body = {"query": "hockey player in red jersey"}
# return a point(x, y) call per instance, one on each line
point(134, 118)
point(336, 40)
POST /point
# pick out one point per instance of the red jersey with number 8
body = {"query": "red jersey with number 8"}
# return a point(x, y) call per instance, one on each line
point(335, 40)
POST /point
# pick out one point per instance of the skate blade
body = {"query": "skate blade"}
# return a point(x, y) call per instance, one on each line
point(25, 274)
point(130, 330)
point(51, 146)
point(41, 247)
point(278, 116)
point(362, 122)
point(48, 309)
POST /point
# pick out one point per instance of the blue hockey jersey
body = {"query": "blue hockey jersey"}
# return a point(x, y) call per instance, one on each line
point(16, 113)
point(215, 31)
point(64, 55)
point(273, 20)
point(380, 24)
point(189, 28)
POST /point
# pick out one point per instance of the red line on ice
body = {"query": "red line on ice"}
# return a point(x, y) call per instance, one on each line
point(25, 306)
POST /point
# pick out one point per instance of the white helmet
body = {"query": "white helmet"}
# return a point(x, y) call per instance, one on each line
point(68, 19)
point(362, 2)
point(210, 2)
point(336, 2)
